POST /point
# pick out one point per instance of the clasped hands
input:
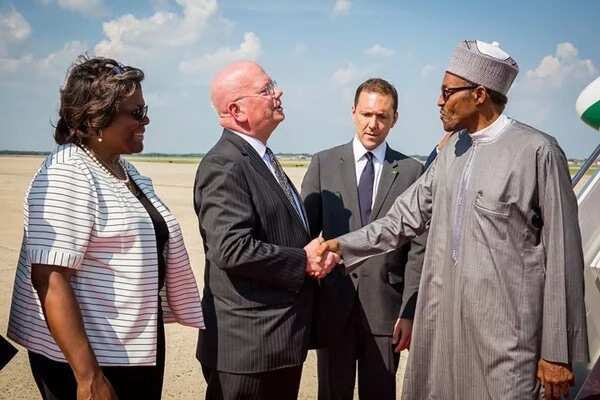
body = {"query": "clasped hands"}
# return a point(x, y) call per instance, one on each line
point(321, 257)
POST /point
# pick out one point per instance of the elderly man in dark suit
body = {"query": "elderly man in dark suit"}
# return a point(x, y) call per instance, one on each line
point(364, 317)
point(258, 294)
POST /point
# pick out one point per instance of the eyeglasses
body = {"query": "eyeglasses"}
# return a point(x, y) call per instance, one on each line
point(268, 90)
point(447, 92)
point(121, 71)
point(140, 113)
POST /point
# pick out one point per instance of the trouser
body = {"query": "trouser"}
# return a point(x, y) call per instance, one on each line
point(56, 381)
point(280, 384)
point(7, 352)
point(373, 355)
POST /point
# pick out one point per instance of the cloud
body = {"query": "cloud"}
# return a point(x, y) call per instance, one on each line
point(10, 65)
point(379, 51)
point(566, 50)
point(132, 37)
point(345, 75)
point(551, 87)
point(59, 61)
point(548, 67)
point(13, 27)
point(250, 48)
point(341, 7)
point(564, 65)
point(94, 8)
point(53, 65)
point(191, 39)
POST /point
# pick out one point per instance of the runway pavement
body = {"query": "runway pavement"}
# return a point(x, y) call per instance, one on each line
point(173, 183)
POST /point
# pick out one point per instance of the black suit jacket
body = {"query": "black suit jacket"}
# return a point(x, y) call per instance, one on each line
point(386, 284)
point(257, 301)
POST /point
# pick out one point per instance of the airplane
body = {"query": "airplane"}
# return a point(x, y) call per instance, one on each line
point(588, 200)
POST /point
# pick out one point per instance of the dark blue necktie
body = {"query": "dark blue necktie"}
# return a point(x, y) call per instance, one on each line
point(365, 189)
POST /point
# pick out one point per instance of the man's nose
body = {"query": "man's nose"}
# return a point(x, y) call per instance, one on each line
point(278, 93)
point(440, 100)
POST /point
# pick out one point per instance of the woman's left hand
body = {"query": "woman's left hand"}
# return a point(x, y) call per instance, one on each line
point(97, 388)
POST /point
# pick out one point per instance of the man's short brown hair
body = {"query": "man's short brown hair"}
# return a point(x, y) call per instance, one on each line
point(377, 85)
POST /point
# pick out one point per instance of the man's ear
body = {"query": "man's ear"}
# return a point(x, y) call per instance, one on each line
point(236, 112)
point(481, 95)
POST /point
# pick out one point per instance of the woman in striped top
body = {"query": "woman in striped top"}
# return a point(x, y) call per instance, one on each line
point(103, 264)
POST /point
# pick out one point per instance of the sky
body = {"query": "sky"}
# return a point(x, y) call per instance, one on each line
point(318, 51)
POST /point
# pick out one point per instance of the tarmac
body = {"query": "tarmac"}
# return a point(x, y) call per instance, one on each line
point(173, 183)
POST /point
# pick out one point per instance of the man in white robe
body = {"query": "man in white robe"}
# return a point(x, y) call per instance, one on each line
point(500, 313)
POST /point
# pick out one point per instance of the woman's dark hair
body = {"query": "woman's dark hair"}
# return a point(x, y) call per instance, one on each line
point(91, 96)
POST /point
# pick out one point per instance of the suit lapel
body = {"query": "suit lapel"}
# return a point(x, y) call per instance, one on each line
point(349, 189)
point(264, 171)
point(389, 173)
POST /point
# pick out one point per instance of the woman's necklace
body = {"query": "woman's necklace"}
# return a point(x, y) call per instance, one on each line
point(104, 167)
point(130, 185)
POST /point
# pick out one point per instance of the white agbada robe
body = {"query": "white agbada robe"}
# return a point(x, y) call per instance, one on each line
point(502, 281)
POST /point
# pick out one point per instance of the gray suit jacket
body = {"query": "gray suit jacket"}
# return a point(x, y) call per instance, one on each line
point(386, 284)
point(257, 300)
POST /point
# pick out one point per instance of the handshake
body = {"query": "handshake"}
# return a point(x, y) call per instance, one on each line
point(321, 257)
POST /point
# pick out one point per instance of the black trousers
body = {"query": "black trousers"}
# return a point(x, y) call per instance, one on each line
point(280, 384)
point(358, 348)
point(56, 381)
point(7, 352)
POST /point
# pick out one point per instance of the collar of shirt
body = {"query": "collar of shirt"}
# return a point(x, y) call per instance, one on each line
point(256, 144)
point(360, 151)
point(491, 132)
point(360, 161)
point(261, 149)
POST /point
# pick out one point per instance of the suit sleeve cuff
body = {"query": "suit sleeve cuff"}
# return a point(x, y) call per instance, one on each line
point(407, 311)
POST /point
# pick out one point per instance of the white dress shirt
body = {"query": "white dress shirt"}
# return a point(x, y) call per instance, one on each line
point(261, 149)
point(360, 161)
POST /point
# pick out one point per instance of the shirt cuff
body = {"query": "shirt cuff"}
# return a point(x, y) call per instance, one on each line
point(56, 257)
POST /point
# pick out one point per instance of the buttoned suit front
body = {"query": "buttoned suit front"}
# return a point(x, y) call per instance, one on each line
point(257, 301)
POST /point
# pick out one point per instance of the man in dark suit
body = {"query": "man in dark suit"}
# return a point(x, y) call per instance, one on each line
point(364, 317)
point(258, 297)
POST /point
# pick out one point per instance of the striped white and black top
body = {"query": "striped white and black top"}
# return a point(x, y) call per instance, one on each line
point(78, 216)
